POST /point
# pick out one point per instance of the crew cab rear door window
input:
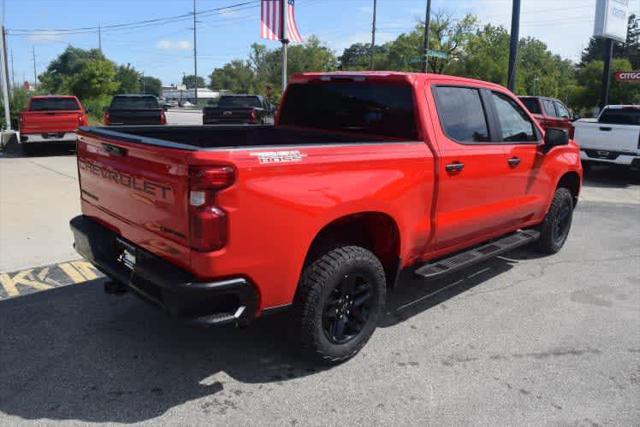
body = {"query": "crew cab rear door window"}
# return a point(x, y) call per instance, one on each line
point(363, 107)
point(549, 108)
point(532, 104)
point(562, 110)
point(514, 123)
point(620, 116)
point(462, 113)
point(54, 104)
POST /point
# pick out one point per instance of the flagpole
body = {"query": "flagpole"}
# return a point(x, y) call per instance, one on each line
point(285, 42)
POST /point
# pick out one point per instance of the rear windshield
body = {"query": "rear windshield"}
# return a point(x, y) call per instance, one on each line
point(54, 104)
point(134, 103)
point(532, 104)
point(239, 102)
point(369, 108)
point(620, 116)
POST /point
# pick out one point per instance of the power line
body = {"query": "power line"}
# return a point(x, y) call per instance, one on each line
point(135, 24)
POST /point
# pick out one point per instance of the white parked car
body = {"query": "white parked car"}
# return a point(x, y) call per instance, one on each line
point(614, 137)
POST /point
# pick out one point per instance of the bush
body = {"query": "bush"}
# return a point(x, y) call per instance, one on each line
point(95, 107)
point(17, 102)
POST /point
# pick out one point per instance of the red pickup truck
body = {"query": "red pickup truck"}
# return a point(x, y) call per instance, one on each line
point(51, 119)
point(550, 112)
point(364, 176)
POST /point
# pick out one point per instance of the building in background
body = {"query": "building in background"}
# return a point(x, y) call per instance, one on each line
point(181, 93)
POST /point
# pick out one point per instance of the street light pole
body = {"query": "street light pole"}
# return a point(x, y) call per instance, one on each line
point(373, 33)
point(195, 54)
point(513, 49)
point(285, 42)
point(425, 46)
point(608, 53)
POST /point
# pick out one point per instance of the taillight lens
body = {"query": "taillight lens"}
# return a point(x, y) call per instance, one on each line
point(105, 118)
point(163, 118)
point(82, 120)
point(208, 223)
point(253, 117)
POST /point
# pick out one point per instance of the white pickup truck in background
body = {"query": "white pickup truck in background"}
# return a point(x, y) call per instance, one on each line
point(614, 137)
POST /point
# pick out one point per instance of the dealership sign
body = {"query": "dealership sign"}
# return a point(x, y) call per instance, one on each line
point(628, 76)
point(611, 19)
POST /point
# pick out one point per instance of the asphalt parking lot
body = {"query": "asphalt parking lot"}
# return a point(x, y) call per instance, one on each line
point(521, 339)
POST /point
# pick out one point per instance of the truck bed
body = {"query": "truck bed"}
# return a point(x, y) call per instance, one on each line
point(196, 138)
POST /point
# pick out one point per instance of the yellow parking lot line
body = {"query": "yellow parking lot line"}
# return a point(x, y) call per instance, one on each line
point(71, 271)
point(9, 283)
point(79, 271)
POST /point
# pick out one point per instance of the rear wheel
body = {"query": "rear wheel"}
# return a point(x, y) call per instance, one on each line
point(557, 223)
point(339, 300)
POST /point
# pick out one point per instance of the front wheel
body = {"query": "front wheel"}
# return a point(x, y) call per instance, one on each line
point(557, 223)
point(340, 298)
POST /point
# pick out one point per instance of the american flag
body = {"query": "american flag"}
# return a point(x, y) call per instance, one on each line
point(271, 21)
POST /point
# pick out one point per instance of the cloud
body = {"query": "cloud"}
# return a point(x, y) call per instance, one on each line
point(165, 44)
point(45, 37)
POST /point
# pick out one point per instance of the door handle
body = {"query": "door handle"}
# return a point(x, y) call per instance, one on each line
point(514, 161)
point(454, 167)
point(605, 128)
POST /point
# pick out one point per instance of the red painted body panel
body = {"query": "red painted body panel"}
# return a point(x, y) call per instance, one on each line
point(39, 122)
point(275, 210)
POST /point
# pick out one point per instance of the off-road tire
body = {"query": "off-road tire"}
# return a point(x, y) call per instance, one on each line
point(550, 242)
point(320, 278)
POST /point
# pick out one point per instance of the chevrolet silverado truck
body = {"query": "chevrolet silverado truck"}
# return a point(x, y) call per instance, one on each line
point(51, 120)
point(134, 110)
point(239, 109)
point(364, 176)
point(613, 137)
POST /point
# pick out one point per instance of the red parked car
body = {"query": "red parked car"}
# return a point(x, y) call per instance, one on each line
point(52, 119)
point(550, 112)
point(363, 177)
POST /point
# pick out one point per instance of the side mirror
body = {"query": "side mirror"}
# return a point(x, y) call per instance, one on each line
point(554, 137)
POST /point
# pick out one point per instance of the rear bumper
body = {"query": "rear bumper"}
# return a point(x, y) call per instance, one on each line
point(611, 157)
point(174, 290)
point(50, 137)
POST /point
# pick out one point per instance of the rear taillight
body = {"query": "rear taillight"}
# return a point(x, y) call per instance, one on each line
point(105, 118)
point(207, 222)
point(163, 118)
point(82, 120)
point(253, 117)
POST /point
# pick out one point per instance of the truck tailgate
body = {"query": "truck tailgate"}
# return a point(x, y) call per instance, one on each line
point(49, 121)
point(138, 189)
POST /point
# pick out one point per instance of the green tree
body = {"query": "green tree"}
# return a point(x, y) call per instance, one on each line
point(589, 77)
point(236, 77)
point(151, 85)
point(70, 62)
point(486, 55)
point(96, 78)
point(129, 79)
point(190, 81)
point(358, 57)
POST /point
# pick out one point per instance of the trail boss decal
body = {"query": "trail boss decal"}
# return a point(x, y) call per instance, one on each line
point(279, 156)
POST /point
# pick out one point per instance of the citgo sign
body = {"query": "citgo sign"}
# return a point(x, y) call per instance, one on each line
point(628, 76)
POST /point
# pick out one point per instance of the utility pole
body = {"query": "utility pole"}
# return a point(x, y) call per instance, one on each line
point(195, 55)
point(144, 84)
point(513, 49)
point(285, 41)
point(373, 33)
point(99, 38)
point(606, 73)
point(35, 74)
point(5, 80)
point(425, 46)
point(13, 73)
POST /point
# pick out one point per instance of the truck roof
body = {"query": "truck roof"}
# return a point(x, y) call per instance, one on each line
point(52, 96)
point(389, 75)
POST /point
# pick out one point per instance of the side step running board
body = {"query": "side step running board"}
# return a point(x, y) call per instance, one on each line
point(477, 254)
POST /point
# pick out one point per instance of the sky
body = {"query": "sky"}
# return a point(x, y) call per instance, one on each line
point(166, 50)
